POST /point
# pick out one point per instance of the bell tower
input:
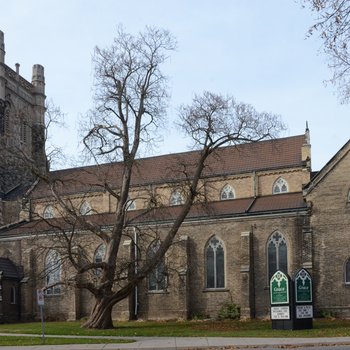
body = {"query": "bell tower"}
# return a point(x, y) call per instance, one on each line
point(22, 124)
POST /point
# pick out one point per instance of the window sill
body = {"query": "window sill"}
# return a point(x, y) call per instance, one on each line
point(158, 292)
point(215, 290)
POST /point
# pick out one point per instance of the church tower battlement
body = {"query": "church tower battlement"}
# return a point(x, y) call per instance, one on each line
point(22, 123)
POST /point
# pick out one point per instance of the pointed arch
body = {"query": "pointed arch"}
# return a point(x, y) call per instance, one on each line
point(85, 208)
point(347, 271)
point(49, 212)
point(215, 263)
point(176, 198)
point(99, 255)
point(280, 186)
point(53, 272)
point(157, 279)
point(277, 254)
point(227, 192)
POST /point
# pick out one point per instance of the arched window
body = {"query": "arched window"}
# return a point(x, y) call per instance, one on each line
point(85, 208)
point(99, 256)
point(176, 198)
point(49, 212)
point(349, 196)
point(157, 279)
point(277, 253)
point(13, 295)
point(215, 263)
point(280, 186)
point(227, 193)
point(130, 204)
point(53, 272)
point(347, 272)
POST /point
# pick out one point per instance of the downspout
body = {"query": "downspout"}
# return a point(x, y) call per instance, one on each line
point(135, 270)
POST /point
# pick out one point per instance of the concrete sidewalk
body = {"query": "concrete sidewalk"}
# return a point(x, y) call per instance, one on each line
point(175, 343)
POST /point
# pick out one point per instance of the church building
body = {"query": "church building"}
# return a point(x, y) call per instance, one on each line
point(261, 209)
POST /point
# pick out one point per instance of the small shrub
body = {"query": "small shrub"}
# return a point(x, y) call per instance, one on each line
point(229, 310)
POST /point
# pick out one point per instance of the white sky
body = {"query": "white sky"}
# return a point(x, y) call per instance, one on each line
point(255, 50)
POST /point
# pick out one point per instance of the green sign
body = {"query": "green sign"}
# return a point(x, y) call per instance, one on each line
point(279, 288)
point(303, 287)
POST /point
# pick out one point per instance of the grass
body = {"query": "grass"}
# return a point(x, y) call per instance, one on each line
point(252, 328)
point(25, 341)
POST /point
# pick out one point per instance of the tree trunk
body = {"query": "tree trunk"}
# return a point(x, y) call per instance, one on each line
point(101, 315)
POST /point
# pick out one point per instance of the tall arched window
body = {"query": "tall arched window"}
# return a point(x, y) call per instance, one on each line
point(85, 208)
point(53, 272)
point(215, 263)
point(157, 279)
point(48, 212)
point(13, 295)
point(176, 198)
point(277, 254)
point(227, 193)
point(347, 272)
point(99, 256)
point(280, 186)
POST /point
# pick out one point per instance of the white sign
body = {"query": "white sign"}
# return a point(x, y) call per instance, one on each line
point(304, 311)
point(40, 297)
point(280, 313)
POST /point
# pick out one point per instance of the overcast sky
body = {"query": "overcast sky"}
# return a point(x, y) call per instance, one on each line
point(255, 50)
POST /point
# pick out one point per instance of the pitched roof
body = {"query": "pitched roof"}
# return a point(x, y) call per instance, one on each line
point(9, 269)
point(331, 164)
point(245, 207)
point(263, 155)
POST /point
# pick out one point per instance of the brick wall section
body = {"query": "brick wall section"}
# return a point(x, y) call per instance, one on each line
point(330, 223)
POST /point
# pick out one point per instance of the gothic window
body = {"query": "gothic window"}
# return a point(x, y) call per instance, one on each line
point(176, 198)
point(48, 212)
point(85, 209)
point(13, 295)
point(280, 186)
point(157, 279)
point(99, 256)
point(347, 272)
point(53, 272)
point(23, 131)
point(215, 263)
point(277, 254)
point(227, 193)
point(130, 205)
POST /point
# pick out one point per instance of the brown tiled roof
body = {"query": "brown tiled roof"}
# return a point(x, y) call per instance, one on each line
point(264, 155)
point(244, 207)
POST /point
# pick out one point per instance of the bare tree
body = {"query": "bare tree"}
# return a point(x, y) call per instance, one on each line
point(333, 26)
point(130, 101)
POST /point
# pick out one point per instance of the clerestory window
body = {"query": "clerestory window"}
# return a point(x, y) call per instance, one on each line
point(176, 198)
point(280, 186)
point(48, 212)
point(227, 193)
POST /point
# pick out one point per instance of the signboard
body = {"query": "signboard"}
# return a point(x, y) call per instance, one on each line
point(280, 313)
point(40, 297)
point(303, 287)
point(279, 288)
point(304, 311)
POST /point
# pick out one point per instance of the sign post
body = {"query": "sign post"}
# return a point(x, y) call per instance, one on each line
point(40, 301)
point(303, 300)
point(280, 300)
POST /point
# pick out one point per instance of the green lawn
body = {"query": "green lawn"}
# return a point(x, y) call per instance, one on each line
point(254, 328)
